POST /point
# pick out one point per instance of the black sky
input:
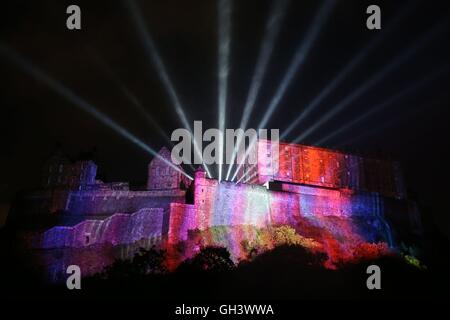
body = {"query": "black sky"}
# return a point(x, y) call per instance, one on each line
point(34, 119)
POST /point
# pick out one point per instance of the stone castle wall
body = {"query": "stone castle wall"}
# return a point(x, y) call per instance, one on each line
point(121, 216)
point(226, 204)
point(164, 177)
point(112, 201)
point(117, 229)
point(325, 168)
point(218, 204)
point(182, 218)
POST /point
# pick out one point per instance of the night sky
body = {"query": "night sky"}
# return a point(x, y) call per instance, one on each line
point(108, 53)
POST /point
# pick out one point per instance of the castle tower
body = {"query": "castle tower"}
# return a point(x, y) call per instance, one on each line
point(59, 171)
point(161, 176)
point(200, 173)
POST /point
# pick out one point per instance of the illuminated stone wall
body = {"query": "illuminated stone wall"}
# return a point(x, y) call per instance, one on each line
point(163, 177)
point(112, 201)
point(60, 172)
point(327, 168)
point(119, 228)
point(182, 218)
point(310, 182)
point(230, 204)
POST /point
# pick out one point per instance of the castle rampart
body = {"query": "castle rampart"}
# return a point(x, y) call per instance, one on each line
point(228, 204)
point(119, 228)
point(320, 186)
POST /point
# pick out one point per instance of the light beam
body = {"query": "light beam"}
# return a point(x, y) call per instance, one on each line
point(383, 126)
point(375, 79)
point(299, 58)
point(247, 153)
point(131, 97)
point(383, 105)
point(272, 30)
point(224, 37)
point(150, 49)
point(344, 72)
point(79, 102)
point(135, 103)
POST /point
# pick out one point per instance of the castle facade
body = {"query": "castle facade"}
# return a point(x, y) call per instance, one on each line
point(309, 182)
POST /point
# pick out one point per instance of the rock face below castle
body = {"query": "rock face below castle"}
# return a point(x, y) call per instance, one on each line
point(99, 213)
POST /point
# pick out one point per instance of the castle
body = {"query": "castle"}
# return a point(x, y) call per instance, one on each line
point(302, 181)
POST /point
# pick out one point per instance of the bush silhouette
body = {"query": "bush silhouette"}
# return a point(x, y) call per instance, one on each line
point(144, 262)
point(216, 259)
